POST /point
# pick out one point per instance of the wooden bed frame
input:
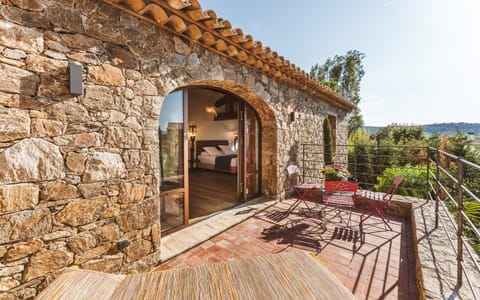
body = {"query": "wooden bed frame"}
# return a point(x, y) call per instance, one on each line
point(211, 143)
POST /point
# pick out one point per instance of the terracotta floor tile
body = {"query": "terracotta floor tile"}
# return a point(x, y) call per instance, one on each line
point(379, 263)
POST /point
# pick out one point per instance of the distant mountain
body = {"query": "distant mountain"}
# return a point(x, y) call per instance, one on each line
point(442, 128)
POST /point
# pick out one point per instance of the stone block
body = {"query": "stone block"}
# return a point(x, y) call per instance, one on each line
point(121, 57)
point(91, 253)
point(121, 137)
point(19, 101)
point(20, 37)
point(8, 283)
point(109, 264)
point(23, 249)
point(82, 211)
point(82, 242)
point(32, 5)
point(68, 111)
point(140, 216)
point(65, 18)
point(58, 190)
point(137, 250)
point(47, 261)
point(16, 80)
point(76, 162)
point(82, 42)
point(98, 98)
point(145, 88)
point(41, 64)
point(18, 197)
point(89, 190)
point(60, 234)
point(110, 232)
point(24, 17)
point(106, 75)
point(14, 124)
point(31, 160)
point(47, 128)
point(131, 192)
point(102, 166)
point(24, 225)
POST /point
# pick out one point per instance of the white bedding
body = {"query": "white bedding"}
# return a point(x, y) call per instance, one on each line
point(209, 159)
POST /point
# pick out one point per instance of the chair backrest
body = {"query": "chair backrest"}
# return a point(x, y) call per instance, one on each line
point(392, 188)
point(293, 178)
point(341, 186)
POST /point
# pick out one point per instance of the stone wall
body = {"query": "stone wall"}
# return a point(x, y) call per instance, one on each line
point(79, 174)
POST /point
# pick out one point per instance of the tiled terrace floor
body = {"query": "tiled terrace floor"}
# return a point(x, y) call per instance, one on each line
point(373, 262)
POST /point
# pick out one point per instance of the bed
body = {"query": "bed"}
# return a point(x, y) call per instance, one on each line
point(215, 161)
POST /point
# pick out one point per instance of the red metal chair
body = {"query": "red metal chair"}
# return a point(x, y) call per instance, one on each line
point(340, 194)
point(301, 191)
point(378, 202)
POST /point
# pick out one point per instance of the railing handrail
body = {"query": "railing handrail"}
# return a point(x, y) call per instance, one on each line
point(440, 180)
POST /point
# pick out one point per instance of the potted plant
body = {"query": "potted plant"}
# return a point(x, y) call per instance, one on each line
point(335, 172)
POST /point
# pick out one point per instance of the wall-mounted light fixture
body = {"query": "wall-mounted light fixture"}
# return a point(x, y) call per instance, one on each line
point(211, 110)
point(76, 80)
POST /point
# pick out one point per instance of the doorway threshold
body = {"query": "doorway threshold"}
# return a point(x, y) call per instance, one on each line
point(202, 230)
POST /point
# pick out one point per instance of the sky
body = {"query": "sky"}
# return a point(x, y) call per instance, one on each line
point(422, 62)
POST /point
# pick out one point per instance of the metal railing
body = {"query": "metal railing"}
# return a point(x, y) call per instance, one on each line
point(457, 182)
point(429, 173)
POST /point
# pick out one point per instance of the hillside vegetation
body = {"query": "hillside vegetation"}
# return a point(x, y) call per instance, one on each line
point(444, 129)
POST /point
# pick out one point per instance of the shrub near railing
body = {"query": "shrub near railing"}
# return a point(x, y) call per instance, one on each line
point(413, 184)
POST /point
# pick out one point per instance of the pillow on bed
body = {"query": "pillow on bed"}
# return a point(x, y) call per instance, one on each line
point(213, 151)
point(226, 149)
point(204, 153)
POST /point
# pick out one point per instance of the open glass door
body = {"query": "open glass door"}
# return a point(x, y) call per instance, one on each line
point(250, 152)
point(172, 139)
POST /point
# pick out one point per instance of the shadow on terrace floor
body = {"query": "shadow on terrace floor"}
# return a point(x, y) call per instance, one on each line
point(372, 261)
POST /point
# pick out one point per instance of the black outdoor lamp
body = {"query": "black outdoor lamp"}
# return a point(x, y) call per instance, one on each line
point(192, 130)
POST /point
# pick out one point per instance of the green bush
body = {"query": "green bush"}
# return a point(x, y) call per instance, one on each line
point(413, 184)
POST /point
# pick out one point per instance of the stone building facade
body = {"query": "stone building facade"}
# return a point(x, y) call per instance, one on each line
point(79, 173)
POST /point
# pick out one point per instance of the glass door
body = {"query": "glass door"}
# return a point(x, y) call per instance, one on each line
point(172, 140)
point(250, 153)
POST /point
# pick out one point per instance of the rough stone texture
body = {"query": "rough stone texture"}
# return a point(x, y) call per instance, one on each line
point(81, 212)
point(47, 128)
point(85, 167)
point(18, 197)
point(31, 160)
point(24, 225)
point(14, 124)
point(82, 242)
point(106, 75)
point(109, 264)
point(103, 166)
point(131, 192)
point(47, 261)
point(58, 190)
point(137, 250)
point(20, 37)
point(139, 216)
point(23, 249)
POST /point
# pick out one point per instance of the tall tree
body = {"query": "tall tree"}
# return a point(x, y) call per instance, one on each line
point(327, 142)
point(344, 74)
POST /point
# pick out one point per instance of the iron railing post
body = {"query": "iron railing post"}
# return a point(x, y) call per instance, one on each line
point(303, 163)
point(427, 185)
point(459, 222)
point(437, 186)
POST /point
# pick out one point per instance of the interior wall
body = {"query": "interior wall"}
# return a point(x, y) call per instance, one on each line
point(207, 128)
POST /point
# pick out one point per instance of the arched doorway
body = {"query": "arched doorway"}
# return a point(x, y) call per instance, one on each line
point(210, 154)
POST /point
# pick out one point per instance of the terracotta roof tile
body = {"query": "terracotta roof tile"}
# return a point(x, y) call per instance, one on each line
point(187, 19)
